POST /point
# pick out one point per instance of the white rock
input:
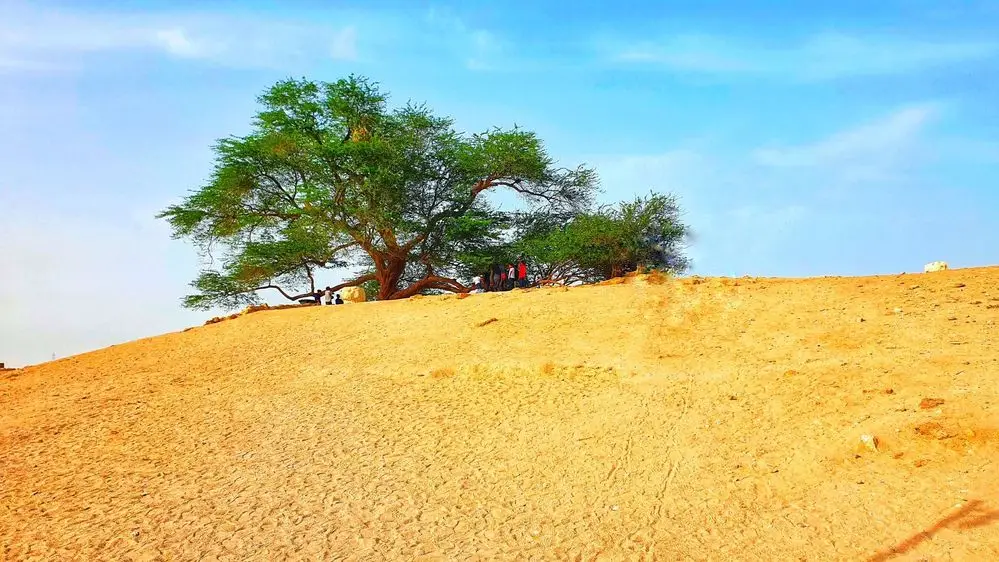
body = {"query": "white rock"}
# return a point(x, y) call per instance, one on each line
point(352, 294)
point(869, 441)
point(935, 266)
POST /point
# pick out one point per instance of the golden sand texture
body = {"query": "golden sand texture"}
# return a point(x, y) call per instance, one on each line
point(692, 419)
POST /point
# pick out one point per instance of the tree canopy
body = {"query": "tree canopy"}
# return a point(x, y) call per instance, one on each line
point(646, 233)
point(329, 176)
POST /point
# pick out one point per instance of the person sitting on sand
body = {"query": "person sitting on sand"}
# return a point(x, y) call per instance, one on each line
point(318, 295)
point(338, 299)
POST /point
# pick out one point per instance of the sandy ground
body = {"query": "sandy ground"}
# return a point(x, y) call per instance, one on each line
point(715, 419)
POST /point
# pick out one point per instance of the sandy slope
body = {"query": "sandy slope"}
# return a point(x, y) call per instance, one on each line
point(690, 420)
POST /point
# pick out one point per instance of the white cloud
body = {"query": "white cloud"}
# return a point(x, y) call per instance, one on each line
point(479, 47)
point(873, 151)
point(823, 56)
point(344, 44)
point(176, 42)
point(37, 37)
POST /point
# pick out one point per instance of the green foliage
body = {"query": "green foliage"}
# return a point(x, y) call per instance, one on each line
point(646, 233)
point(371, 290)
point(329, 176)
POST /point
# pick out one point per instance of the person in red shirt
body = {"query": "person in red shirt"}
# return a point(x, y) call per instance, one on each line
point(522, 273)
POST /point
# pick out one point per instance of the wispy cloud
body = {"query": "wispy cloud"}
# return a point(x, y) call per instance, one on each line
point(36, 38)
point(752, 204)
point(873, 151)
point(479, 47)
point(823, 56)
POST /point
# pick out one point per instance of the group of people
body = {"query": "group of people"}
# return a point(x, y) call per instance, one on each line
point(499, 278)
point(327, 297)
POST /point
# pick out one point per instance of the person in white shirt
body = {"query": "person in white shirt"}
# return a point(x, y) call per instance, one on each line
point(328, 297)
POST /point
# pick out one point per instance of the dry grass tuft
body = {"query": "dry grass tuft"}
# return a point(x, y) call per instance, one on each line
point(657, 277)
point(442, 373)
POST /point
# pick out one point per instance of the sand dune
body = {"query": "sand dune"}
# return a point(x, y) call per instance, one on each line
point(695, 419)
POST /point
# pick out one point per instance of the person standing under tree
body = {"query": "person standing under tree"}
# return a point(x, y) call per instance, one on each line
point(496, 283)
point(522, 273)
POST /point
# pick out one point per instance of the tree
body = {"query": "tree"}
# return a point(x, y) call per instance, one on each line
point(330, 177)
point(646, 233)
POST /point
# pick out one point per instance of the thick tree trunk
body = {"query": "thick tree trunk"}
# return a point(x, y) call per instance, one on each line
point(388, 276)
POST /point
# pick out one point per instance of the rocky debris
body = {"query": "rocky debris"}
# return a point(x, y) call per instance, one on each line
point(870, 441)
point(929, 403)
point(935, 266)
point(878, 391)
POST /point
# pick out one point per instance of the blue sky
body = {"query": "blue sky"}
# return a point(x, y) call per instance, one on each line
point(803, 138)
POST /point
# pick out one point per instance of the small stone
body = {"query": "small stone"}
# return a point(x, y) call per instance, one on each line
point(889, 391)
point(861, 319)
point(920, 463)
point(898, 310)
point(869, 441)
point(614, 508)
point(929, 403)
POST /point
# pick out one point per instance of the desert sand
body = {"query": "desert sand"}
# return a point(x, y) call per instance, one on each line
point(693, 419)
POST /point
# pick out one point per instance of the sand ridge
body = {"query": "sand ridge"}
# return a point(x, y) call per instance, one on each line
point(694, 419)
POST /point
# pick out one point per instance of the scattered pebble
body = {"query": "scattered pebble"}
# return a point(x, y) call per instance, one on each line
point(869, 441)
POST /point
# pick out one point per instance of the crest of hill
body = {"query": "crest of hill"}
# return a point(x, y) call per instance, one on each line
point(618, 323)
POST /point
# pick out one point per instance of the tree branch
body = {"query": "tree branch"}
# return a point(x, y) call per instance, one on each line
point(430, 282)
